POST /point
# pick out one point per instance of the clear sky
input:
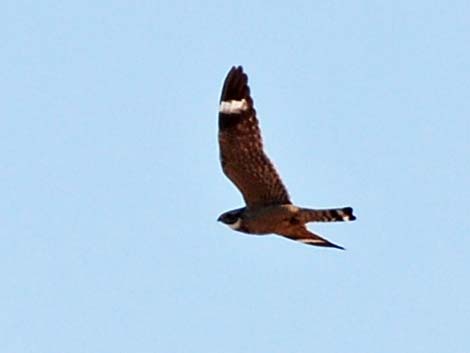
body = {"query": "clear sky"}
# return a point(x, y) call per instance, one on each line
point(110, 184)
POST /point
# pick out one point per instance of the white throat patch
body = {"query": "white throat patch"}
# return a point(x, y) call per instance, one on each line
point(233, 106)
point(236, 225)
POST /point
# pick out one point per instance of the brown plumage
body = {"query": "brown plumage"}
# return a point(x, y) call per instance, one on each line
point(268, 205)
point(241, 148)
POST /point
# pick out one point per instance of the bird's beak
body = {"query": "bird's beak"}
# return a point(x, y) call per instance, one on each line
point(219, 219)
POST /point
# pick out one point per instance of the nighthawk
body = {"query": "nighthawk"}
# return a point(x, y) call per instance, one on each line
point(268, 206)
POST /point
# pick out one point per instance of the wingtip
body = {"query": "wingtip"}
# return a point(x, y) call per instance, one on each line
point(335, 246)
point(330, 245)
point(237, 68)
point(235, 85)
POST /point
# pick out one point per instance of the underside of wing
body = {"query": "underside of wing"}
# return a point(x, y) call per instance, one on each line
point(302, 234)
point(241, 147)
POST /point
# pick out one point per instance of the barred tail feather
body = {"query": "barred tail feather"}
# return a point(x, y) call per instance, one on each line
point(328, 215)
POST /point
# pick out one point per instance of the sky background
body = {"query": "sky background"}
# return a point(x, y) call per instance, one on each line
point(110, 184)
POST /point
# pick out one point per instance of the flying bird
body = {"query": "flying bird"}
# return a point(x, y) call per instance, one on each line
point(268, 209)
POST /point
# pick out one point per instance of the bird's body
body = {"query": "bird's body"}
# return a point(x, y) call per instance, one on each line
point(268, 205)
point(266, 220)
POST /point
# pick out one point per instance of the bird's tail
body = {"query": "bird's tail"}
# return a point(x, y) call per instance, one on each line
point(327, 215)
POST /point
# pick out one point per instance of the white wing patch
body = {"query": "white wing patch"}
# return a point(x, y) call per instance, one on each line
point(233, 106)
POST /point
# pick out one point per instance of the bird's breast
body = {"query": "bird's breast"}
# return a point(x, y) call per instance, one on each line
point(268, 219)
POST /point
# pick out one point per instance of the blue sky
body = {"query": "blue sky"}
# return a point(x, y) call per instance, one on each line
point(111, 187)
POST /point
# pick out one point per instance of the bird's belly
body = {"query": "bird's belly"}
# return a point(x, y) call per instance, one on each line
point(260, 227)
point(270, 220)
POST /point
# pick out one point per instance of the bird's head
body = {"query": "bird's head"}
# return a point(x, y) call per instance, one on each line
point(232, 218)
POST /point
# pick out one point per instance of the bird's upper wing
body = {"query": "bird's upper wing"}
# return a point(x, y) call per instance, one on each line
point(241, 147)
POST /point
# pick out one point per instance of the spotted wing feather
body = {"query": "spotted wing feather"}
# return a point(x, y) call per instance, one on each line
point(241, 147)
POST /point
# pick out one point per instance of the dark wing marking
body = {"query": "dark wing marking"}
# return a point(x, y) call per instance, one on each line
point(241, 147)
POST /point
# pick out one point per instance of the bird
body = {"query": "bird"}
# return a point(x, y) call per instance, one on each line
point(268, 208)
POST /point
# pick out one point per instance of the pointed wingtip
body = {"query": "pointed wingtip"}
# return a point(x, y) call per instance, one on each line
point(235, 86)
point(323, 243)
point(331, 245)
point(238, 69)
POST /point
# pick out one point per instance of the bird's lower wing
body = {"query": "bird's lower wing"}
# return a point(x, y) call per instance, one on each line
point(303, 235)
